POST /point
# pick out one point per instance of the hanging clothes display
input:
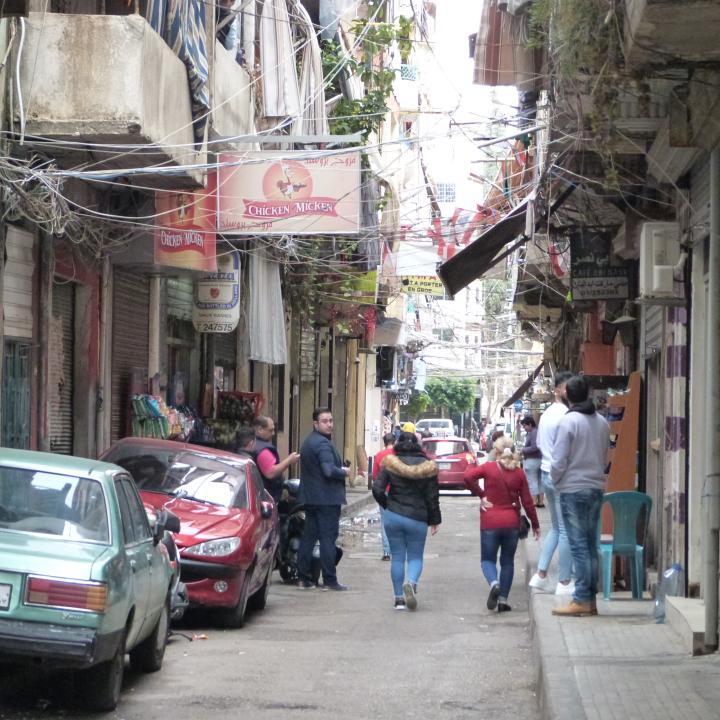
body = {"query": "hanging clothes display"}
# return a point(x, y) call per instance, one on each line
point(181, 23)
point(267, 316)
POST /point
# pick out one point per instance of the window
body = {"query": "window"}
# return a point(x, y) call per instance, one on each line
point(258, 487)
point(446, 192)
point(138, 517)
point(53, 504)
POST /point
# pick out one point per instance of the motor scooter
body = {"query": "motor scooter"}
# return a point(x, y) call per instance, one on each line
point(291, 514)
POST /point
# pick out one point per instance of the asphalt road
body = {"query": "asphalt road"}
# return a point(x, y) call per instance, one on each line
point(320, 654)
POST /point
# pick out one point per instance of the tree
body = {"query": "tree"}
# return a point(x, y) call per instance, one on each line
point(448, 395)
point(417, 405)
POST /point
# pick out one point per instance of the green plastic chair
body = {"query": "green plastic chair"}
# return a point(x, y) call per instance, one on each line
point(628, 538)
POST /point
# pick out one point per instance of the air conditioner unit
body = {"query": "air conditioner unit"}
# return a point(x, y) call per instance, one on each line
point(659, 254)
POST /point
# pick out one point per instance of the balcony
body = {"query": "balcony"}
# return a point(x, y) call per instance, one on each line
point(233, 111)
point(658, 32)
point(107, 80)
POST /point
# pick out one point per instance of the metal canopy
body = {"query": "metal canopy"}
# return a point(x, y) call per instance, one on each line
point(524, 387)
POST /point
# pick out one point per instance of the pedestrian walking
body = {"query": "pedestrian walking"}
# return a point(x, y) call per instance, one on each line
point(245, 442)
point(407, 488)
point(505, 490)
point(267, 457)
point(388, 441)
point(557, 537)
point(578, 471)
point(531, 460)
point(322, 489)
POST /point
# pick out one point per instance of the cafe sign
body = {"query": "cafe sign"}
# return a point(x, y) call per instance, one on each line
point(216, 306)
point(593, 275)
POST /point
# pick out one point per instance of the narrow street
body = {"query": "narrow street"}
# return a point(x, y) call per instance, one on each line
point(327, 655)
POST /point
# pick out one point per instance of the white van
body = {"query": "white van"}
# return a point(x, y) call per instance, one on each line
point(439, 427)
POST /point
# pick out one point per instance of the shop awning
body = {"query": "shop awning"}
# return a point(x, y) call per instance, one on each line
point(489, 249)
point(517, 395)
point(494, 245)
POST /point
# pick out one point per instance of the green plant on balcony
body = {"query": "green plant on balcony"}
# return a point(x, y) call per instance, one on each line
point(584, 41)
point(373, 39)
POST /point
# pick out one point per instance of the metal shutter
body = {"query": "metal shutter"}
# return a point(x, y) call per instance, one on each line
point(60, 390)
point(18, 283)
point(226, 349)
point(130, 345)
point(700, 199)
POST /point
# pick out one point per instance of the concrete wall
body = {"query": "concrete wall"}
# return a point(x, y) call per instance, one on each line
point(233, 110)
point(105, 78)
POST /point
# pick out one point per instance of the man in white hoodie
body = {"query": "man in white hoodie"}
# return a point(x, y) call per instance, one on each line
point(579, 459)
point(557, 537)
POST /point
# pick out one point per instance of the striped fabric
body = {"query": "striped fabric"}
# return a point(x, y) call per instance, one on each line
point(181, 23)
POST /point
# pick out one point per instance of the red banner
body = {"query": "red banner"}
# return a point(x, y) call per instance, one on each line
point(185, 230)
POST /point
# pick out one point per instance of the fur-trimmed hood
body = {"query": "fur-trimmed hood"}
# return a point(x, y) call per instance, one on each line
point(416, 469)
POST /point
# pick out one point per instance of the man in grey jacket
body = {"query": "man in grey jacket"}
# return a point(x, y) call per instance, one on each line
point(579, 457)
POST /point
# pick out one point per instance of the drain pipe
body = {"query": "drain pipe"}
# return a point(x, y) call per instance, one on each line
point(711, 489)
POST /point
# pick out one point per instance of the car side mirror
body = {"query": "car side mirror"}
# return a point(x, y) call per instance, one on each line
point(266, 510)
point(166, 521)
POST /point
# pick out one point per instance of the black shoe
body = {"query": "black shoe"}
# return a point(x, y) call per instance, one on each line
point(400, 603)
point(503, 607)
point(335, 586)
point(306, 585)
point(385, 557)
point(492, 600)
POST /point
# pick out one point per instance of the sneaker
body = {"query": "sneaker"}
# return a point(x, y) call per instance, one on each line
point(492, 600)
point(335, 586)
point(503, 607)
point(563, 589)
point(385, 557)
point(400, 603)
point(575, 609)
point(306, 585)
point(540, 583)
point(409, 592)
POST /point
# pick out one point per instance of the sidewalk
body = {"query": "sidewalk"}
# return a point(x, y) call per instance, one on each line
point(358, 498)
point(620, 664)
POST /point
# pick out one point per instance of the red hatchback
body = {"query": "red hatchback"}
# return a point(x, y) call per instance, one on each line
point(453, 456)
point(228, 522)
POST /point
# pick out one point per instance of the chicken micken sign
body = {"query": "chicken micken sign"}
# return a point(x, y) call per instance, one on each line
point(296, 193)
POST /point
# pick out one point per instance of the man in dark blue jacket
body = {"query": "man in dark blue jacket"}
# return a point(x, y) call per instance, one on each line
point(322, 484)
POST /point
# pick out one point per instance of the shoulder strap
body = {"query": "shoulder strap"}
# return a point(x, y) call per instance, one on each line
point(516, 502)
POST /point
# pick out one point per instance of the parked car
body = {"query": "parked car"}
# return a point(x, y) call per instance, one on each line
point(453, 456)
point(83, 578)
point(440, 427)
point(228, 522)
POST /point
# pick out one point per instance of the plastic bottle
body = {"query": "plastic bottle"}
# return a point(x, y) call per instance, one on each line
point(672, 583)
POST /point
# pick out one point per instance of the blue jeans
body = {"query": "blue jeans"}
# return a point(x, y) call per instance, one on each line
point(407, 544)
point(386, 544)
point(531, 466)
point(505, 540)
point(556, 537)
point(581, 513)
point(322, 522)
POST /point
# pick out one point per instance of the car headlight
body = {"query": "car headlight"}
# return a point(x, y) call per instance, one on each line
point(215, 548)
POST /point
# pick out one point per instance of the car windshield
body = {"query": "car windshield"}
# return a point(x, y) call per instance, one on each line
point(192, 475)
point(52, 504)
point(445, 447)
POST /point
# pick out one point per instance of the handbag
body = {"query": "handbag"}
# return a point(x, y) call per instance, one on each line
point(524, 526)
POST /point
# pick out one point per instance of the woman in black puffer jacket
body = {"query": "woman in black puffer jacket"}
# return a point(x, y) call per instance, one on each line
point(407, 488)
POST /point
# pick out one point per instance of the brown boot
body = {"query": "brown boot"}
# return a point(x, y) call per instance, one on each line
point(575, 609)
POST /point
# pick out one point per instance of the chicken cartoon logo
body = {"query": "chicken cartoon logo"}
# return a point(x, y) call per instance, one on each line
point(287, 180)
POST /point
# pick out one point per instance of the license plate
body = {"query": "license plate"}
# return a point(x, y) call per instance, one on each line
point(5, 591)
point(444, 465)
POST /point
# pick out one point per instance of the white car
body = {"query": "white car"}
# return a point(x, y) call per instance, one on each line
point(438, 427)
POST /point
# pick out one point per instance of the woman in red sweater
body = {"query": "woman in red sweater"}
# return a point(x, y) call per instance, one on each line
point(505, 488)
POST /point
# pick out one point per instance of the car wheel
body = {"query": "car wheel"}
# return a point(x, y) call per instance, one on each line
point(235, 617)
point(258, 600)
point(148, 655)
point(102, 682)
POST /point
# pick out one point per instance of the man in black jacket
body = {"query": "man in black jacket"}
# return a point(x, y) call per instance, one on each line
point(322, 486)
point(267, 457)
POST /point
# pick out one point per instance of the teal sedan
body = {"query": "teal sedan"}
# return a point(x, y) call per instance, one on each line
point(84, 579)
